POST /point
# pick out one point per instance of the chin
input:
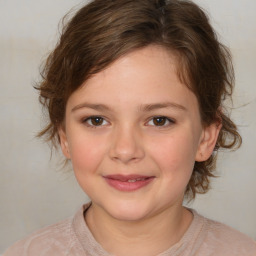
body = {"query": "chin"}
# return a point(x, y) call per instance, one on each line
point(128, 212)
point(129, 216)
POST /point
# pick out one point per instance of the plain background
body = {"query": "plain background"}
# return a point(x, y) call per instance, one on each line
point(35, 191)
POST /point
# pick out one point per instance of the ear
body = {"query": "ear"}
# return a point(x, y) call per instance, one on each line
point(208, 141)
point(64, 142)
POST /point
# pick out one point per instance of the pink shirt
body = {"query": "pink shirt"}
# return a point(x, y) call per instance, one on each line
point(72, 237)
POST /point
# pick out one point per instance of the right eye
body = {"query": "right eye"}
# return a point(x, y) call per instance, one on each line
point(94, 121)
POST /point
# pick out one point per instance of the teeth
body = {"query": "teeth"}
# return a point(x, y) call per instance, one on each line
point(134, 180)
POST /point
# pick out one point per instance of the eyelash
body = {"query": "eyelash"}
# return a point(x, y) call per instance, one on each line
point(91, 125)
point(166, 119)
point(90, 118)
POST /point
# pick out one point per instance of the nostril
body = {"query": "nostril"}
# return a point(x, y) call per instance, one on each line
point(126, 145)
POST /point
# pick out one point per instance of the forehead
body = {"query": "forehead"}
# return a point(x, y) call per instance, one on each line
point(152, 58)
point(145, 75)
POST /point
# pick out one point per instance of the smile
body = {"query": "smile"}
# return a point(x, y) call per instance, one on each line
point(128, 182)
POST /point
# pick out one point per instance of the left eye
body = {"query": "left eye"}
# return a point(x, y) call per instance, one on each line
point(160, 121)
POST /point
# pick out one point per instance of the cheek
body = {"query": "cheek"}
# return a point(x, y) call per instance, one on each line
point(86, 154)
point(175, 155)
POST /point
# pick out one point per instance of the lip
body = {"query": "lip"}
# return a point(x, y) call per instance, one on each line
point(128, 182)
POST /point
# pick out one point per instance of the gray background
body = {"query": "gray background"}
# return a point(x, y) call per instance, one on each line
point(35, 191)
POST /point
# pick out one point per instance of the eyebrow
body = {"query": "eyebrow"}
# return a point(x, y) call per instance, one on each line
point(150, 107)
point(99, 107)
point(143, 108)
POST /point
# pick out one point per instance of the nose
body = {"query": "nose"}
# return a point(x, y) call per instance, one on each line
point(126, 145)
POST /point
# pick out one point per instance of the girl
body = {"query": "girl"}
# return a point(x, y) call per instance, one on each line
point(134, 93)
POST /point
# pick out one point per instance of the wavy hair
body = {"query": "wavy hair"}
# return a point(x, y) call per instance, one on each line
point(104, 30)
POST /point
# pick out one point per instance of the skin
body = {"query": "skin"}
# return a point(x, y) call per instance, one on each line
point(134, 90)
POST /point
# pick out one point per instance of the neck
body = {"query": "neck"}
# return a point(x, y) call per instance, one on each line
point(149, 236)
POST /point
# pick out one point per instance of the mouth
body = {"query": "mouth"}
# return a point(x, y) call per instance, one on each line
point(128, 182)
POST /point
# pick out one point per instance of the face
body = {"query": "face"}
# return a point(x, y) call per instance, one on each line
point(133, 132)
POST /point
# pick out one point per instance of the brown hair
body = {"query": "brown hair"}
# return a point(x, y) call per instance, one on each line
point(104, 30)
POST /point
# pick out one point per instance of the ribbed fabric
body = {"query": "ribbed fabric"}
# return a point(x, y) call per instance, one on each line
point(72, 237)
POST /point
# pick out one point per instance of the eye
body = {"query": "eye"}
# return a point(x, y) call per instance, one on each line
point(95, 121)
point(160, 121)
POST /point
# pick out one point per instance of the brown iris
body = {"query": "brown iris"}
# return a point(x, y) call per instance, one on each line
point(96, 121)
point(159, 121)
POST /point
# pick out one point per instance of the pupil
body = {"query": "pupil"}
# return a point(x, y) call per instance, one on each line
point(97, 121)
point(159, 121)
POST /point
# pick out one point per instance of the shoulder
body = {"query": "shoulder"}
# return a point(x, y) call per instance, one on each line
point(220, 239)
point(57, 239)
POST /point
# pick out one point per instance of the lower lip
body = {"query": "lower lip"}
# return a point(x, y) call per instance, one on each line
point(128, 186)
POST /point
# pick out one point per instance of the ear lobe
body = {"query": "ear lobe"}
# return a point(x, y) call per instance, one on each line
point(208, 141)
point(64, 143)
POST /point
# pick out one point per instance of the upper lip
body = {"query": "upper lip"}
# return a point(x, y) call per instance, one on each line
point(126, 177)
